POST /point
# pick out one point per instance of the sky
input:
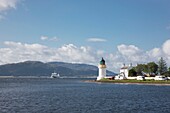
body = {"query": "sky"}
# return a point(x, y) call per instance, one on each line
point(84, 31)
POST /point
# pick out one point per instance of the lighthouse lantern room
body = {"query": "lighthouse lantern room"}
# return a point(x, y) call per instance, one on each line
point(102, 70)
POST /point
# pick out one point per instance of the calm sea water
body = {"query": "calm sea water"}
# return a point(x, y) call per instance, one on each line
point(40, 95)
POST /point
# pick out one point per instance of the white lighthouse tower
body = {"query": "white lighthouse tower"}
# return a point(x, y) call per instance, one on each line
point(102, 70)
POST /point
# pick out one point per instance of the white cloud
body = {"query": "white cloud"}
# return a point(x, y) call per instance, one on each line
point(156, 52)
point(54, 39)
point(17, 52)
point(96, 40)
point(166, 47)
point(128, 50)
point(131, 53)
point(45, 38)
point(6, 5)
point(100, 52)
point(72, 53)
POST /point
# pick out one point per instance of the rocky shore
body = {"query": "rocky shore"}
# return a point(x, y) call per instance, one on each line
point(137, 82)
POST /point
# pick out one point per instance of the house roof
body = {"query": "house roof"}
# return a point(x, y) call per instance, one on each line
point(125, 67)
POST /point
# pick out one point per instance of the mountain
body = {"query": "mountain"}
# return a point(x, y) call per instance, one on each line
point(36, 68)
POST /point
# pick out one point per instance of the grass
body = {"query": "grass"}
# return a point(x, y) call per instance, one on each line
point(136, 81)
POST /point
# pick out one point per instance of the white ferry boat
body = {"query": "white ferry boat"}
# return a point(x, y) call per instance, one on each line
point(55, 75)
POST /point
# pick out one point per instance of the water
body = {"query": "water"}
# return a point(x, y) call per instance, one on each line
point(40, 95)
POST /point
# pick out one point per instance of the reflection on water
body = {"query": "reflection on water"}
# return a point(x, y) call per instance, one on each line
point(43, 95)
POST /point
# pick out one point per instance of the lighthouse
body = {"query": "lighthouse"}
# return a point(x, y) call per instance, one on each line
point(102, 70)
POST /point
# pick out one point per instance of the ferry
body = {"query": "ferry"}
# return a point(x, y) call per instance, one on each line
point(55, 75)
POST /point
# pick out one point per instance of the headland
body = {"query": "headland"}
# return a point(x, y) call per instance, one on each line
point(137, 82)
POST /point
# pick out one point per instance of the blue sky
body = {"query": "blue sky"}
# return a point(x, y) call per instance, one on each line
point(101, 25)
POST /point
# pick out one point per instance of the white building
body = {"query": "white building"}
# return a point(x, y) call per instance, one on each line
point(102, 70)
point(124, 72)
point(120, 76)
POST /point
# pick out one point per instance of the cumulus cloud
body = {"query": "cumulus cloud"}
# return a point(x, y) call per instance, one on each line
point(17, 52)
point(156, 52)
point(166, 47)
point(132, 54)
point(128, 50)
point(96, 40)
point(6, 5)
point(72, 53)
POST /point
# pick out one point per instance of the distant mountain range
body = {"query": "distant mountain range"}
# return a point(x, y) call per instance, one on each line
point(36, 68)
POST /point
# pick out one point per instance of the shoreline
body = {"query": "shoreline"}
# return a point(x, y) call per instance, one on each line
point(128, 83)
point(6, 76)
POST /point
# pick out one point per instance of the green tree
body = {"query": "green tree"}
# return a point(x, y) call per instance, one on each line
point(145, 68)
point(162, 67)
point(139, 68)
point(167, 73)
point(132, 72)
point(152, 67)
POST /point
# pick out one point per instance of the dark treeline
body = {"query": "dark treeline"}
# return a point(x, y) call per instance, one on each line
point(151, 69)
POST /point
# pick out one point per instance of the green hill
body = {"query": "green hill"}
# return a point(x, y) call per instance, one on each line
point(36, 68)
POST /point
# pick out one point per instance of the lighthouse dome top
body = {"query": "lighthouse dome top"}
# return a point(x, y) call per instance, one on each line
point(102, 62)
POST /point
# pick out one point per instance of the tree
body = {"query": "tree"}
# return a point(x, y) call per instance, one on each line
point(139, 68)
point(152, 67)
point(162, 67)
point(145, 68)
point(167, 73)
point(132, 72)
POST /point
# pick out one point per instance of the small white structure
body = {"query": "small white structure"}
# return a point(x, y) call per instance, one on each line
point(121, 76)
point(140, 78)
point(125, 69)
point(102, 70)
point(159, 77)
